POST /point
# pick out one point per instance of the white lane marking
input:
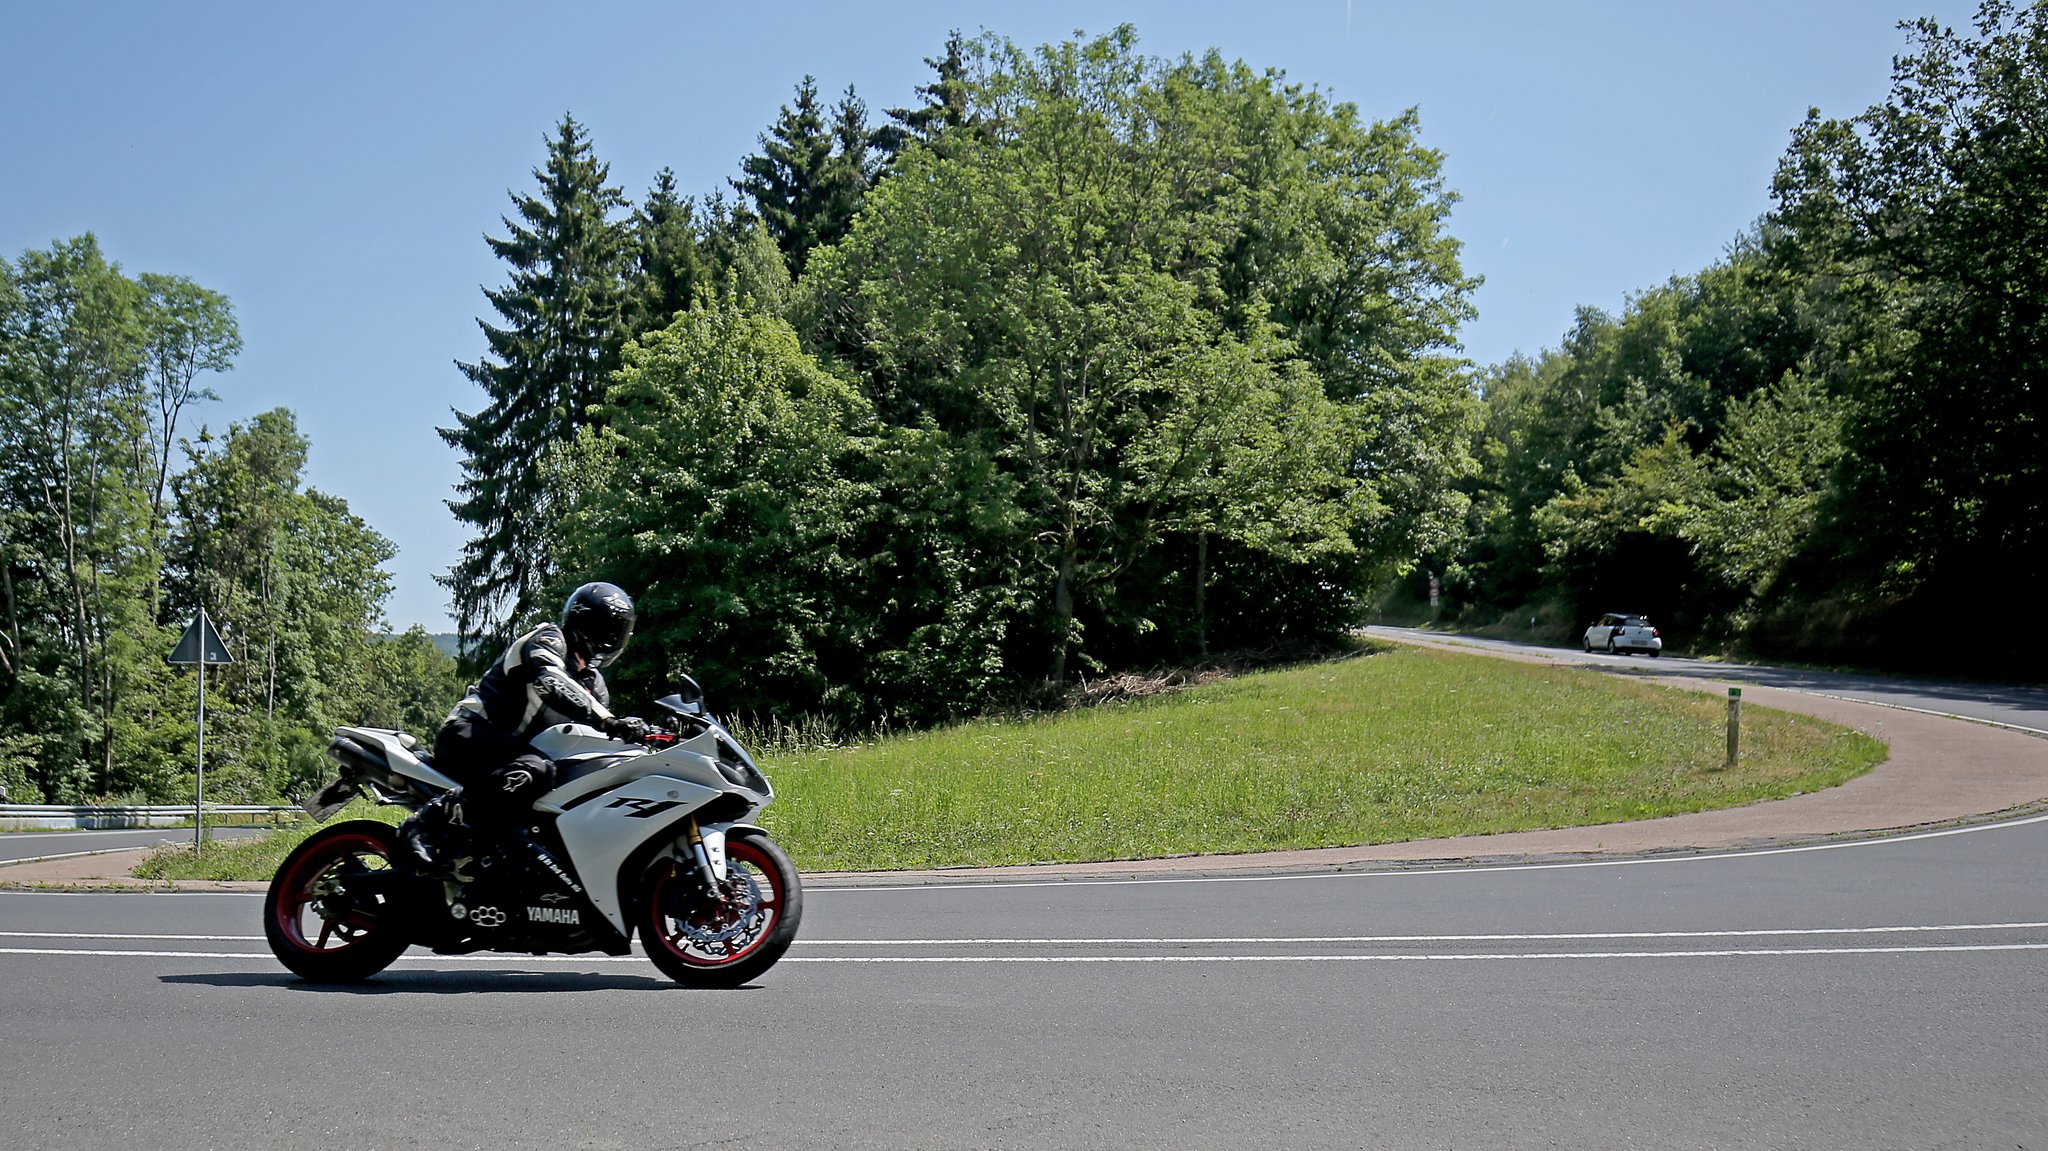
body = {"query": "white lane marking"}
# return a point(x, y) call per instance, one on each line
point(1908, 707)
point(582, 960)
point(1180, 940)
point(119, 935)
point(1733, 953)
point(142, 887)
point(1409, 873)
point(998, 884)
point(1492, 938)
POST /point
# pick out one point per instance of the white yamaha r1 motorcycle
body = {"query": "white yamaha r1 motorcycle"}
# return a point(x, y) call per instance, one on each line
point(653, 839)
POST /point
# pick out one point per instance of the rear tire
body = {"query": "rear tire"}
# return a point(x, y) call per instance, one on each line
point(1610, 648)
point(733, 939)
point(311, 928)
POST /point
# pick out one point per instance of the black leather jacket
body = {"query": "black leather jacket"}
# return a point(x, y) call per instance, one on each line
point(532, 687)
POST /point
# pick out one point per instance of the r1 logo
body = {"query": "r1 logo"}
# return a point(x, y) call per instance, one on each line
point(643, 808)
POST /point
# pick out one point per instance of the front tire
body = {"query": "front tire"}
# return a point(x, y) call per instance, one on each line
point(733, 938)
point(312, 925)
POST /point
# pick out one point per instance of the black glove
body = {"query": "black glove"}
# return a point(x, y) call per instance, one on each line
point(628, 728)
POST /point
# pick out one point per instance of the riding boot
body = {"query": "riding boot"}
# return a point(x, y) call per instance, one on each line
point(437, 837)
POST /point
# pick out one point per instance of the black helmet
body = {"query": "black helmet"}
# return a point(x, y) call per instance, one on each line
point(598, 620)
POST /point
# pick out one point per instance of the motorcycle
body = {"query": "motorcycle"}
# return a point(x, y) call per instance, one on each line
point(650, 838)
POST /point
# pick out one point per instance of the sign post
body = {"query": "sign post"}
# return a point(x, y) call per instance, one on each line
point(200, 645)
point(1734, 725)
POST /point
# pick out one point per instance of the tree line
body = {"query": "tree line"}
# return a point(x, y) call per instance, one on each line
point(1087, 360)
point(1829, 445)
point(1084, 361)
point(115, 529)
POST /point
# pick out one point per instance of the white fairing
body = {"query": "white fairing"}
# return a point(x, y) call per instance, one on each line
point(612, 797)
point(397, 747)
point(601, 832)
point(567, 741)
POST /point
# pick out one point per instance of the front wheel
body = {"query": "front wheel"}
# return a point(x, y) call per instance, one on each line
point(316, 925)
point(732, 937)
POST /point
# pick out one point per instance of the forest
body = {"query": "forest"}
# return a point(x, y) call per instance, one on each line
point(1828, 447)
point(1083, 361)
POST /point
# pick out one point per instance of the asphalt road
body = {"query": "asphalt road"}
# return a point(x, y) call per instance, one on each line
point(2020, 705)
point(18, 845)
point(1888, 993)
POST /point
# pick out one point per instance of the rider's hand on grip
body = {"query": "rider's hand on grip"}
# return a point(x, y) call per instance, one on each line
point(629, 728)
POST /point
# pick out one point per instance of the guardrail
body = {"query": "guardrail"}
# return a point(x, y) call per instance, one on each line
point(28, 816)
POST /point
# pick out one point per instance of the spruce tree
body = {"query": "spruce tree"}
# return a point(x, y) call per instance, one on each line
point(668, 261)
point(849, 173)
point(544, 370)
point(788, 181)
point(944, 106)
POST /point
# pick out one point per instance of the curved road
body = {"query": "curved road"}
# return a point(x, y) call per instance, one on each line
point(20, 845)
point(2018, 705)
point(1872, 993)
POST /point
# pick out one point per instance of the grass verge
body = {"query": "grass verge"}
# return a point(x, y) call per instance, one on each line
point(253, 858)
point(1399, 744)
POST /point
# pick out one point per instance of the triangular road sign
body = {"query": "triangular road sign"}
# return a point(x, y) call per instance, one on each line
point(200, 643)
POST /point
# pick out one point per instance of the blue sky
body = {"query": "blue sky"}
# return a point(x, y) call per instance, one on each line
point(333, 168)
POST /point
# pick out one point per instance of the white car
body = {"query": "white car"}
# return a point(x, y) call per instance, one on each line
point(1615, 633)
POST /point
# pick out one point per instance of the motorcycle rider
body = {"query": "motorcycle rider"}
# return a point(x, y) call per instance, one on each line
point(547, 676)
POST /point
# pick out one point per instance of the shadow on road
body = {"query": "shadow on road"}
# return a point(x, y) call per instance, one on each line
point(436, 982)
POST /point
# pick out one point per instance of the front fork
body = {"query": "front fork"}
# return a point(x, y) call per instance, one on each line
point(707, 852)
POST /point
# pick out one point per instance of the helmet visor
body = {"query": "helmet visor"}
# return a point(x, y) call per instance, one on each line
point(606, 648)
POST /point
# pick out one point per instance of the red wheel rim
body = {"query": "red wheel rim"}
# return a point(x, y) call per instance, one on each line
point(751, 911)
point(297, 894)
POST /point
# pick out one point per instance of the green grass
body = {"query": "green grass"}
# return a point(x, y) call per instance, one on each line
point(1398, 745)
point(1401, 744)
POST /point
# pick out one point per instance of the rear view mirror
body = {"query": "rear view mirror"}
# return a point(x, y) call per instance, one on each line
point(688, 699)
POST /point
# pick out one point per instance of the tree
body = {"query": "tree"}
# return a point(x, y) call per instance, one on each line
point(850, 172)
point(1582, 445)
point(74, 469)
point(789, 182)
point(719, 488)
point(1924, 221)
point(296, 582)
point(944, 106)
point(189, 330)
point(668, 266)
point(410, 684)
point(544, 371)
point(1052, 299)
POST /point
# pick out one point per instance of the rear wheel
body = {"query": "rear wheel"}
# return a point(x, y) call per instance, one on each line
point(1610, 645)
point(315, 925)
point(736, 935)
